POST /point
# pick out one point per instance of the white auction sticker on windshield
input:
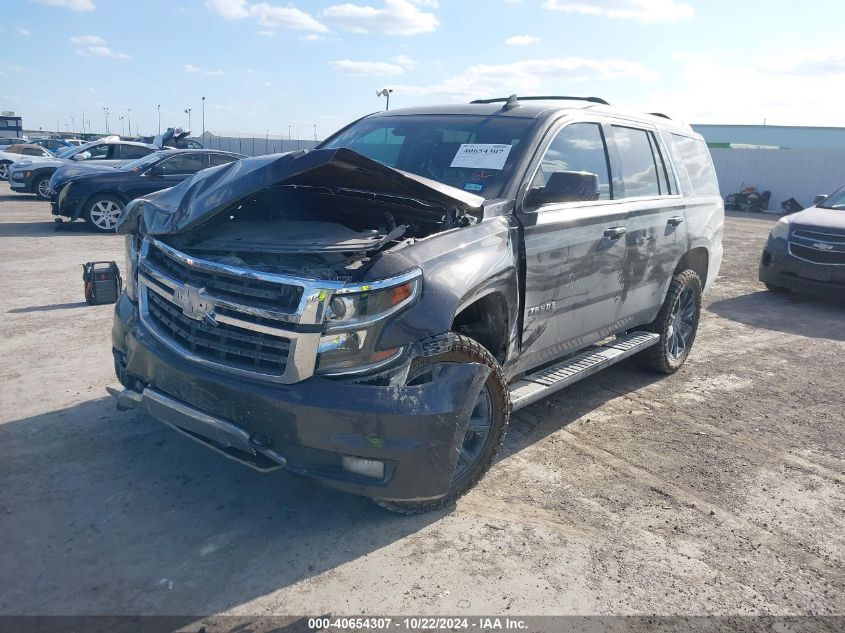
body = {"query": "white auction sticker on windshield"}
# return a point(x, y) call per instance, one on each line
point(481, 156)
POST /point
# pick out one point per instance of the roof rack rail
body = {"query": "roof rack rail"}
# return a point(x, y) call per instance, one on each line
point(547, 98)
point(661, 115)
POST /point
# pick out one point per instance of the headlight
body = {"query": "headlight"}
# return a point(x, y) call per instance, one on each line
point(349, 310)
point(132, 248)
point(354, 320)
point(780, 230)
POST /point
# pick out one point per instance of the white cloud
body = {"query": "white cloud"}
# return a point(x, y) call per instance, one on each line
point(24, 31)
point(267, 14)
point(266, 33)
point(196, 70)
point(15, 68)
point(94, 40)
point(642, 10)
point(521, 40)
point(268, 84)
point(396, 17)
point(367, 69)
point(73, 5)
point(533, 76)
point(101, 51)
point(802, 95)
point(405, 61)
point(311, 37)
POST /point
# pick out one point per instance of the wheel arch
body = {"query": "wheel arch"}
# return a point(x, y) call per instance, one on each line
point(485, 316)
point(99, 192)
point(696, 259)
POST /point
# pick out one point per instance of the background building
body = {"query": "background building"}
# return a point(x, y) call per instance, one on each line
point(790, 161)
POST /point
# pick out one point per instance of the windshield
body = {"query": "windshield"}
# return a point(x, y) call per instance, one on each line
point(836, 200)
point(473, 153)
point(142, 163)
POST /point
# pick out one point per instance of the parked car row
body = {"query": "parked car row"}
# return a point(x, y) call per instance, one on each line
point(99, 192)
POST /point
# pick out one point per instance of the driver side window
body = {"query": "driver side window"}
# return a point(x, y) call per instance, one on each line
point(579, 147)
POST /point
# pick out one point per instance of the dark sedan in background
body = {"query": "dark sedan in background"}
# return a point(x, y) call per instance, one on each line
point(806, 250)
point(98, 195)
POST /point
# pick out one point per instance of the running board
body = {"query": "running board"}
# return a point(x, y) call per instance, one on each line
point(536, 386)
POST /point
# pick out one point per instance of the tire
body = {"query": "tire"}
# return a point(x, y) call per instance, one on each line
point(777, 289)
point(683, 302)
point(4, 169)
point(466, 350)
point(40, 187)
point(101, 213)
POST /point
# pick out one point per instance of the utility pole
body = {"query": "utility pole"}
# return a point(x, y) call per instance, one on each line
point(129, 122)
point(106, 110)
point(159, 118)
point(203, 119)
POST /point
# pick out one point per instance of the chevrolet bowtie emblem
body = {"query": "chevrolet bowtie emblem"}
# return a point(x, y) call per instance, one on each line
point(821, 246)
point(195, 304)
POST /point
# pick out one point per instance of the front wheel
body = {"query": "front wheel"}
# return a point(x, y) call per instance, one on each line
point(676, 323)
point(101, 213)
point(486, 429)
point(41, 187)
point(4, 169)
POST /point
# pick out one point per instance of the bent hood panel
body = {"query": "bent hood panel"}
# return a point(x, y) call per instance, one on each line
point(209, 192)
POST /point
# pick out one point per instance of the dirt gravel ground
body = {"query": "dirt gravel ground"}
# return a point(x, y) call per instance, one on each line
point(718, 490)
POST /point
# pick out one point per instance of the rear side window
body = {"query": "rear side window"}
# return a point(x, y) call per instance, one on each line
point(694, 165)
point(31, 151)
point(183, 164)
point(577, 147)
point(221, 159)
point(133, 151)
point(642, 168)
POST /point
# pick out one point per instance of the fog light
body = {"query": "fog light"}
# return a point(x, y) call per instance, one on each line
point(367, 467)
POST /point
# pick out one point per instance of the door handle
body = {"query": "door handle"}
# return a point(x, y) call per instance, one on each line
point(675, 220)
point(615, 232)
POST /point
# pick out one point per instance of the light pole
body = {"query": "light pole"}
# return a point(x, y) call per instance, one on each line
point(73, 124)
point(106, 110)
point(385, 93)
point(159, 118)
point(188, 112)
point(267, 143)
point(129, 120)
point(122, 128)
point(289, 136)
point(83, 124)
point(203, 119)
point(315, 132)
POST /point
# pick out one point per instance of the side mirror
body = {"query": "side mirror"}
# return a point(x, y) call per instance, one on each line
point(82, 156)
point(819, 199)
point(565, 186)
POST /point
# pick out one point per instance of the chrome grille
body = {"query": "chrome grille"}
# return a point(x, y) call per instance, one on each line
point(226, 344)
point(819, 246)
point(255, 292)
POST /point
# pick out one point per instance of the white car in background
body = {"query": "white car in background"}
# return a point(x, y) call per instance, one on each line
point(20, 152)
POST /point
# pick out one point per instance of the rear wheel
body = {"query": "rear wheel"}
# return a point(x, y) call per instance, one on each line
point(676, 323)
point(101, 213)
point(41, 187)
point(4, 169)
point(485, 432)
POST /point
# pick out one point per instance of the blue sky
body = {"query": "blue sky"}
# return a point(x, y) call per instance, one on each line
point(277, 63)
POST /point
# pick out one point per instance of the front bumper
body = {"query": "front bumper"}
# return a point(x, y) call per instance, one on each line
point(779, 268)
point(21, 184)
point(308, 426)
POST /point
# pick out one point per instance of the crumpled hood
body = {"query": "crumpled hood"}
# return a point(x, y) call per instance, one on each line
point(820, 217)
point(341, 171)
point(70, 170)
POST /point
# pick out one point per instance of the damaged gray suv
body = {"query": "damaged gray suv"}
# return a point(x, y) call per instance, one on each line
point(370, 313)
